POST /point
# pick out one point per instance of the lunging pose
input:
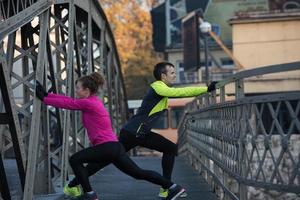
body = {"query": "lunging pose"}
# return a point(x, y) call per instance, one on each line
point(105, 147)
point(137, 131)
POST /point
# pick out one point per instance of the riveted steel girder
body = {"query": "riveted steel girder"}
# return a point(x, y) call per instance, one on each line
point(54, 42)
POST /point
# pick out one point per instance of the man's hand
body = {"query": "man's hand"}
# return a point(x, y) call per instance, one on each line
point(212, 86)
point(40, 91)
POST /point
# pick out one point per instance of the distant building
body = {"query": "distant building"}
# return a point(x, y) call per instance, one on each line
point(167, 34)
point(226, 17)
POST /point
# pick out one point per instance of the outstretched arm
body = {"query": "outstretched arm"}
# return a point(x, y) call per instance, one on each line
point(163, 90)
point(61, 101)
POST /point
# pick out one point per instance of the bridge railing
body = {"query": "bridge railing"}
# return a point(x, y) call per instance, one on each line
point(246, 148)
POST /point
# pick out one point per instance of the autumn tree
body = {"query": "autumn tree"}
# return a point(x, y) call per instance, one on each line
point(130, 22)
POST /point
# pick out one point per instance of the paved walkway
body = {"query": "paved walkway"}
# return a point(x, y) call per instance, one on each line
point(111, 184)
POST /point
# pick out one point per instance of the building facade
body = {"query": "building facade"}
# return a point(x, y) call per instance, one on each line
point(268, 38)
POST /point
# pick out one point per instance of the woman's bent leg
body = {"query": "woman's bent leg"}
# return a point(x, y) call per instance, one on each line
point(100, 154)
point(92, 168)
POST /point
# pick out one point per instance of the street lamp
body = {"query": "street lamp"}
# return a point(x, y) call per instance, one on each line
point(205, 28)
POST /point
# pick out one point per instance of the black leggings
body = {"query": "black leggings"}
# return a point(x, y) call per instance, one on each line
point(153, 141)
point(100, 156)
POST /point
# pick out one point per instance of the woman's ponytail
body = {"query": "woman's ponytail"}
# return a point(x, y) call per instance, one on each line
point(98, 78)
point(92, 81)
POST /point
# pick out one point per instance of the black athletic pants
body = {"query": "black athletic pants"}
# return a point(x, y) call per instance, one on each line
point(156, 142)
point(100, 156)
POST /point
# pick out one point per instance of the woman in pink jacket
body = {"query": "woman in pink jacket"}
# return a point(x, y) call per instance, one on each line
point(105, 147)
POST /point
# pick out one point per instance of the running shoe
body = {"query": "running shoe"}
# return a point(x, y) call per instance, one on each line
point(72, 191)
point(175, 192)
point(90, 196)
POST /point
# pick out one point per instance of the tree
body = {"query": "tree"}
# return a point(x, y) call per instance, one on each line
point(131, 24)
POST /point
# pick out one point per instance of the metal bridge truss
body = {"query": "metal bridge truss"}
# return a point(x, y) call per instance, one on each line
point(54, 42)
point(247, 144)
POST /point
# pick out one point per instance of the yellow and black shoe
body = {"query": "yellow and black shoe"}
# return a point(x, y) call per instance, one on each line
point(163, 193)
point(73, 192)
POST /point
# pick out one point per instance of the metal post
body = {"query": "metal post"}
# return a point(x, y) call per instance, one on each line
point(14, 126)
point(240, 93)
point(206, 58)
point(34, 137)
point(69, 84)
point(168, 22)
point(205, 28)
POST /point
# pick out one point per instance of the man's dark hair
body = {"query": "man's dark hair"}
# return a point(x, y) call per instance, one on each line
point(160, 68)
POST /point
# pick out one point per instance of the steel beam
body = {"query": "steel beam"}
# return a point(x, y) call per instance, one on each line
point(69, 84)
point(24, 17)
point(53, 57)
point(14, 125)
point(34, 137)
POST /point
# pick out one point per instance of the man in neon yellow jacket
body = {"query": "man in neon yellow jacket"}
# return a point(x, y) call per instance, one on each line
point(137, 131)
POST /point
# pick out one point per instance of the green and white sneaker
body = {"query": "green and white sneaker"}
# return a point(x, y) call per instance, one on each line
point(73, 192)
point(174, 192)
point(163, 193)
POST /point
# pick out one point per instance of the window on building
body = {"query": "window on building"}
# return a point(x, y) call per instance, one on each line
point(227, 62)
point(202, 63)
point(216, 29)
point(291, 5)
point(179, 71)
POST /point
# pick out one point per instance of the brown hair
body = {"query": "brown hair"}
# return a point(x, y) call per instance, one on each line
point(92, 81)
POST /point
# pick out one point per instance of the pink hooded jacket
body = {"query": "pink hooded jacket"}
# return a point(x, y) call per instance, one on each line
point(95, 117)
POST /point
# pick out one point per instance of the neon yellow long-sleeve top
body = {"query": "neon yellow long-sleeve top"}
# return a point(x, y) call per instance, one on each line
point(155, 102)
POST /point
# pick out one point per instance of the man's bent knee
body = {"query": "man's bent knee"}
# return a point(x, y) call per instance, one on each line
point(172, 149)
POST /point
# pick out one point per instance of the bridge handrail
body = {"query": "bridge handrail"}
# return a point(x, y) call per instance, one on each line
point(260, 71)
point(222, 139)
